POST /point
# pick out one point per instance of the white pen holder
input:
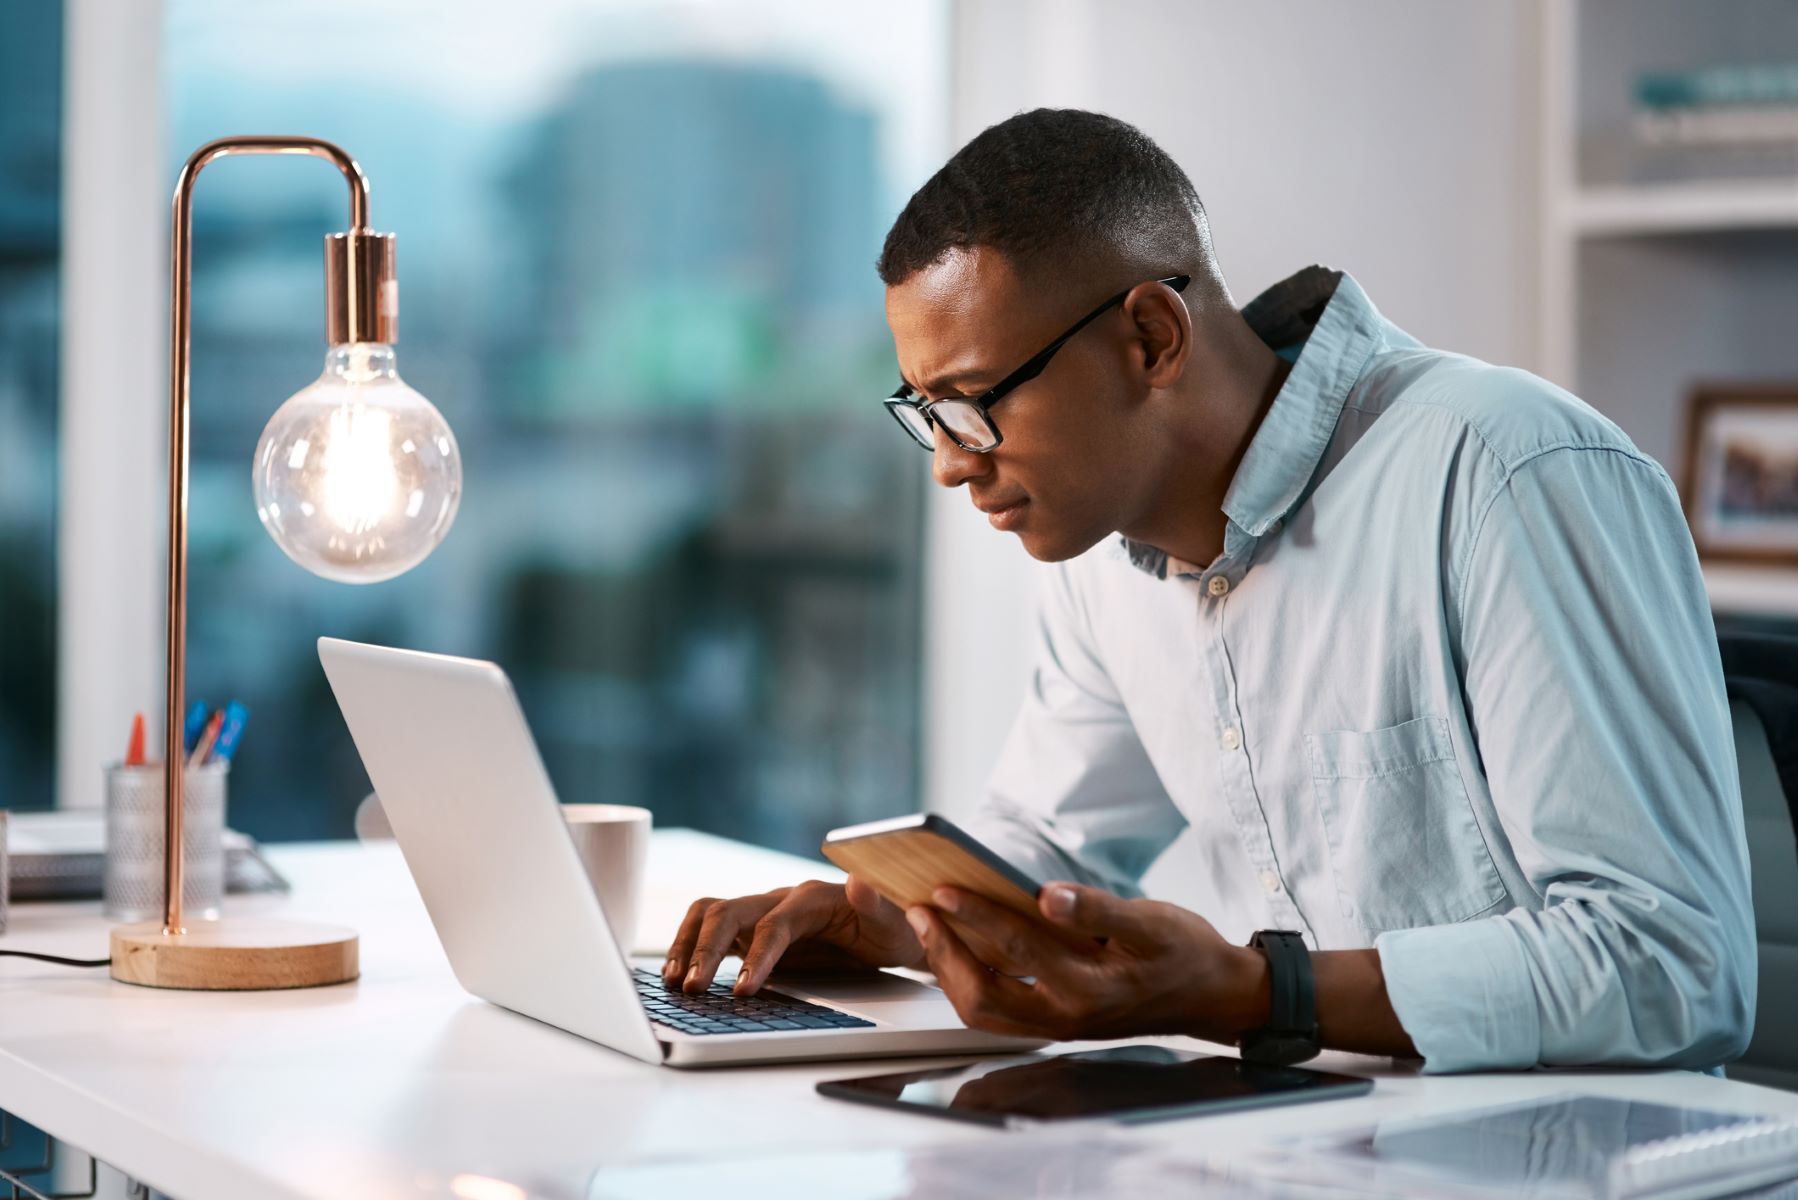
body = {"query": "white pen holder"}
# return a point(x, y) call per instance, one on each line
point(132, 888)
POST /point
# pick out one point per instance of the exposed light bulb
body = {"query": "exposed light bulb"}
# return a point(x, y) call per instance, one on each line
point(359, 482)
point(357, 476)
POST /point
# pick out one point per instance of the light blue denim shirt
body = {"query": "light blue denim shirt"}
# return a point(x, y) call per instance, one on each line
point(1451, 690)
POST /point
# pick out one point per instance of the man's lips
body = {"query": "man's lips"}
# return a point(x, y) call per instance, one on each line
point(1006, 516)
point(990, 508)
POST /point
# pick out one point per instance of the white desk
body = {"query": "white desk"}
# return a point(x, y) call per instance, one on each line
point(395, 1084)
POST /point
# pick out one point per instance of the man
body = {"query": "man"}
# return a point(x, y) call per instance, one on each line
point(1417, 646)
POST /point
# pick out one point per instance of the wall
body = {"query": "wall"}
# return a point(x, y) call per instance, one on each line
point(1395, 139)
point(113, 503)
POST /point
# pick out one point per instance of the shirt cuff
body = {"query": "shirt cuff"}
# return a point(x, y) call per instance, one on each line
point(1464, 993)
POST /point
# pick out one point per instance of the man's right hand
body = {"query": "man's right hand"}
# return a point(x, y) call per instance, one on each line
point(812, 924)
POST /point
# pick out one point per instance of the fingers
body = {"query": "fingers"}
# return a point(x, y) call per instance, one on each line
point(883, 922)
point(1003, 939)
point(681, 949)
point(717, 937)
point(982, 999)
point(708, 933)
point(852, 924)
point(806, 909)
point(773, 934)
point(1096, 913)
point(867, 902)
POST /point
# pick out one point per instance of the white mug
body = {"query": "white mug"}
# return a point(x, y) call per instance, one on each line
point(612, 841)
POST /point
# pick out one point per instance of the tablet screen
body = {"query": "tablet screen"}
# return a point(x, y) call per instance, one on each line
point(1129, 1083)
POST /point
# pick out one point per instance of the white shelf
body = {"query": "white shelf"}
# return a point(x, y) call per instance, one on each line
point(1672, 208)
point(1752, 591)
point(1639, 292)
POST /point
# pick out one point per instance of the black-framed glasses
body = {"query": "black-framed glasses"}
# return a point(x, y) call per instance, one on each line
point(967, 419)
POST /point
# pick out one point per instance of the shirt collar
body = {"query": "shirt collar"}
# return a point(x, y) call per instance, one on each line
point(1328, 314)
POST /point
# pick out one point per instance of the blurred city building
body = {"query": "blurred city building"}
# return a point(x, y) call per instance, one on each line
point(650, 313)
point(30, 219)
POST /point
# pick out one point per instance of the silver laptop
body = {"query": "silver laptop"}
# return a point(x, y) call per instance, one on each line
point(446, 745)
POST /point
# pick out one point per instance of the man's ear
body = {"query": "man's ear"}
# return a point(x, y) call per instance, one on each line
point(1163, 332)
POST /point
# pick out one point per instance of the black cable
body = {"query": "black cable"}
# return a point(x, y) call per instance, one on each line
point(65, 962)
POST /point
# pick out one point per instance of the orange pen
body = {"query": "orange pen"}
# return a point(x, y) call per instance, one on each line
point(134, 752)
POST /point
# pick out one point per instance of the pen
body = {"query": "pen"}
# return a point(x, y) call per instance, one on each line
point(208, 737)
point(196, 724)
point(134, 752)
point(231, 732)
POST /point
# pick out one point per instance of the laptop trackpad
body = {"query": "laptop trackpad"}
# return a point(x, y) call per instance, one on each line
point(877, 995)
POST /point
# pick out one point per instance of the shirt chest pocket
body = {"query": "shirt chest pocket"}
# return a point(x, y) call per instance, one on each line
point(1404, 844)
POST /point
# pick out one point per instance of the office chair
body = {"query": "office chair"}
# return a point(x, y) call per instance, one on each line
point(1761, 673)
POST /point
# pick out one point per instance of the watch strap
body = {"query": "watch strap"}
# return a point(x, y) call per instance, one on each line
point(1290, 1035)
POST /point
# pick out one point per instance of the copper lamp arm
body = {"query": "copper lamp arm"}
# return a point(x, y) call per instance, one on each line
point(174, 750)
point(258, 144)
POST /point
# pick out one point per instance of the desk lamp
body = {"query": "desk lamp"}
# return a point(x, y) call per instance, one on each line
point(357, 478)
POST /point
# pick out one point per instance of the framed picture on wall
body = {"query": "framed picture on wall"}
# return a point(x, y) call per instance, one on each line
point(1741, 475)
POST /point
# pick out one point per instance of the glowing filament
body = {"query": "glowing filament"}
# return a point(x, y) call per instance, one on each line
point(360, 485)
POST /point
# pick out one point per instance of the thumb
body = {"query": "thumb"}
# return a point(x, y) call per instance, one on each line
point(867, 901)
point(1089, 910)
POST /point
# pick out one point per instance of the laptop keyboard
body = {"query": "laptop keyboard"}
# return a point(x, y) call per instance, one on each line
point(715, 1010)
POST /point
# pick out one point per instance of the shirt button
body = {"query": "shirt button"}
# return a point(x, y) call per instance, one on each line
point(1218, 585)
point(1276, 526)
point(1232, 738)
point(1271, 882)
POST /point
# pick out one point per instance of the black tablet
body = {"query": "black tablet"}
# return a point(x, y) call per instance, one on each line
point(1124, 1083)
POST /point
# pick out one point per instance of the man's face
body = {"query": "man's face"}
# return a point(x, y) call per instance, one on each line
point(1072, 463)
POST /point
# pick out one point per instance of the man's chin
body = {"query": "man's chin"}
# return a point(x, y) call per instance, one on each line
point(1045, 545)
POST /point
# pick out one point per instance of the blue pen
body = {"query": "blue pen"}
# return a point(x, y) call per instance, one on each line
point(196, 722)
point(230, 732)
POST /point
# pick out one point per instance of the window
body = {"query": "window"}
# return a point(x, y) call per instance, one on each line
point(30, 192)
point(636, 249)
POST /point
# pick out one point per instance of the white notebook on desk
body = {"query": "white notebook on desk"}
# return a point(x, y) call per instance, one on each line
point(61, 855)
point(1560, 1147)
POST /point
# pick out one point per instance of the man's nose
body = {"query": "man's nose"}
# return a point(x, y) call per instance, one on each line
point(951, 466)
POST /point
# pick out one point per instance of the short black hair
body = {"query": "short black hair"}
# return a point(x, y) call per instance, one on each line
point(1056, 185)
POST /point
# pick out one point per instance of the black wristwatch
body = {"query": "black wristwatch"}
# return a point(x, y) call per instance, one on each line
point(1290, 1035)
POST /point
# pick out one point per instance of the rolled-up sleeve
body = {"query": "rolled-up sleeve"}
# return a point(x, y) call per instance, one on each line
point(1074, 795)
point(1589, 661)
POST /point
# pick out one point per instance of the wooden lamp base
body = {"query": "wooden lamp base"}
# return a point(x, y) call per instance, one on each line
point(234, 955)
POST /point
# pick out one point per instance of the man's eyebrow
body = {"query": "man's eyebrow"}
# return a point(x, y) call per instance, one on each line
point(939, 384)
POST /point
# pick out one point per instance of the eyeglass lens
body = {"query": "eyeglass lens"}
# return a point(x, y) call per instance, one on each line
point(965, 422)
point(915, 422)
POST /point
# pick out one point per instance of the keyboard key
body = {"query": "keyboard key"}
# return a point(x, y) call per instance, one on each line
point(718, 1010)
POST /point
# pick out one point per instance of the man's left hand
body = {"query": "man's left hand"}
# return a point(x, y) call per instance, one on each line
point(1160, 969)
